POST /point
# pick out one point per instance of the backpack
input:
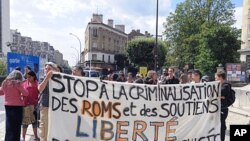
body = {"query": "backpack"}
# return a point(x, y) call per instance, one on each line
point(231, 96)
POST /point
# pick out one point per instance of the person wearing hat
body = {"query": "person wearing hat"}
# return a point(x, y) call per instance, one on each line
point(30, 102)
point(43, 88)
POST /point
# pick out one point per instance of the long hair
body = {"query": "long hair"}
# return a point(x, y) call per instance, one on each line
point(15, 77)
point(32, 73)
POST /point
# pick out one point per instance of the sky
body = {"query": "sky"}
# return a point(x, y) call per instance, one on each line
point(52, 20)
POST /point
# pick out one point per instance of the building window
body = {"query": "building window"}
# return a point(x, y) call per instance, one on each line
point(94, 56)
point(94, 32)
point(103, 41)
point(103, 57)
point(94, 44)
point(109, 59)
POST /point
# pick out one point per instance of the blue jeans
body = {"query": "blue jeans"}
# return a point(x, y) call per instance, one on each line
point(14, 116)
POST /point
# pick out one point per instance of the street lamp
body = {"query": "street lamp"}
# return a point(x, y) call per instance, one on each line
point(77, 53)
point(79, 43)
point(156, 38)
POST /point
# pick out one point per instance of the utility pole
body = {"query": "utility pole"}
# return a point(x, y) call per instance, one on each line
point(156, 39)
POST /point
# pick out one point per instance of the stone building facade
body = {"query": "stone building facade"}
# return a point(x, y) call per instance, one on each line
point(102, 42)
point(245, 36)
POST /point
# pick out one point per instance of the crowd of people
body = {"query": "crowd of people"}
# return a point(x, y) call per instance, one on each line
point(27, 100)
point(168, 77)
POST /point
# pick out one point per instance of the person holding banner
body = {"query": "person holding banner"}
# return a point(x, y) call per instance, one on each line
point(13, 91)
point(43, 88)
point(151, 78)
point(170, 79)
point(130, 78)
point(225, 98)
point(78, 71)
point(196, 76)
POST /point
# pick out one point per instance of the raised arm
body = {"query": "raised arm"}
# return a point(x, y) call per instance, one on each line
point(43, 84)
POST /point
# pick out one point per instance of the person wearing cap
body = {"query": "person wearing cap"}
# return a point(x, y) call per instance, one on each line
point(30, 102)
point(14, 93)
point(43, 88)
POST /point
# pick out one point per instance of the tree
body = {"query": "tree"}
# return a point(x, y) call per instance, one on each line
point(121, 60)
point(200, 32)
point(3, 68)
point(141, 52)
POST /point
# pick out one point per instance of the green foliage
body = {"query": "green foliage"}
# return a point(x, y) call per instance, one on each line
point(141, 52)
point(201, 33)
point(3, 69)
point(121, 60)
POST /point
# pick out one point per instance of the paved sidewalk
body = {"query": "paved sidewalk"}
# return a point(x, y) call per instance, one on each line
point(29, 134)
point(236, 116)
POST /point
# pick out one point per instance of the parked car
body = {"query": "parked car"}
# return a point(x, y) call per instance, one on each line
point(91, 73)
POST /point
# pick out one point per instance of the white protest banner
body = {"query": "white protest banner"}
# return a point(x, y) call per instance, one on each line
point(84, 109)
